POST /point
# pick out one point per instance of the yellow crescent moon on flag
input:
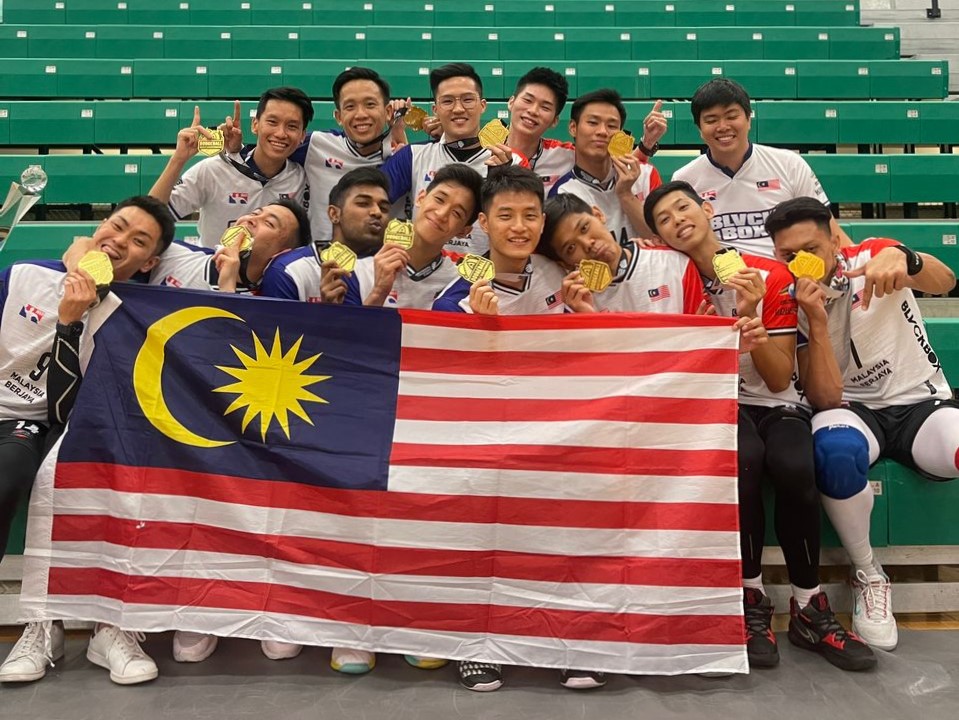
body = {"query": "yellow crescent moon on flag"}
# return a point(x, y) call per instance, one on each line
point(148, 373)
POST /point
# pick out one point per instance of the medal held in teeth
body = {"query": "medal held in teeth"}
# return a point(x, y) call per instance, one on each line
point(493, 133)
point(97, 264)
point(212, 145)
point(805, 264)
point(399, 232)
point(596, 275)
point(475, 268)
point(621, 145)
point(727, 263)
point(414, 117)
point(237, 234)
point(341, 255)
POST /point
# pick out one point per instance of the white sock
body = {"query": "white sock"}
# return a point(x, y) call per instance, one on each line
point(850, 517)
point(803, 596)
point(755, 583)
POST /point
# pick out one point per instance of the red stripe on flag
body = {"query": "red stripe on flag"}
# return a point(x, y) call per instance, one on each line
point(438, 617)
point(656, 571)
point(566, 364)
point(586, 321)
point(403, 506)
point(613, 409)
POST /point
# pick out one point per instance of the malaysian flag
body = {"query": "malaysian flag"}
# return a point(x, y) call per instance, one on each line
point(773, 184)
point(660, 293)
point(556, 491)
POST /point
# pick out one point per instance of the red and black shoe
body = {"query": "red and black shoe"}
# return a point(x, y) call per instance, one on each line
point(816, 628)
point(761, 644)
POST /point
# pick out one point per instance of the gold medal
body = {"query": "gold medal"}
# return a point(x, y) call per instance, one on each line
point(805, 264)
point(475, 268)
point(237, 234)
point(493, 133)
point(727, 263)
point(97, 264)
point(341, 255)
point(399, 232)
point(596, 274)
point(414, 117)
point(212, 145)
point(621, 145)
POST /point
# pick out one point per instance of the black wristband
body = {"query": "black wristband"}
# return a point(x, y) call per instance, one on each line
point(71, 330)
point(913, 260)
point(647, 151)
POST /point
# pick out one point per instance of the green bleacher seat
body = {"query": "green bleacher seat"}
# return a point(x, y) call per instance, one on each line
point(91, 178)
point(665, 43)
point(867, 123)
point(921, 511)
point(584, 14)
point(832, 79)
point(14, 41)
point(681, 122)
point(543, 45)
point(864, 43)
point(598, 43)
point(52, 123)
point(281, 12)
point(315, 77)
point(924, 178)
point(415, 13)
point(464, 13)
point(679, 79)
point(729, 43)
point(186, 42)
point(62, 41)
point(891, 79)
point(152, 165)
point(668, 163)
point(125, 42)
point(797, 123)
point(242, 78)
point(705, 13)
point(331, 43)
point(816, 13)
point(47, 12)
point(96, 12)
point(4, 123)
point(944, 338)
point(938, 122)
point(134, 122)
point(853, 178)
point(936, 237)
point(531, 14)
point(795, 43)
point(88, 78)
point(323, 115)
point(400, 43)
point(171, 78)
point(772, 79)
point(342, 12)
point(29, 78)
point(269, 42)
point(773, 13)
point(624, 77)
point(633, 14)
point(482, 42)
point(158, 13)
point(219, 12)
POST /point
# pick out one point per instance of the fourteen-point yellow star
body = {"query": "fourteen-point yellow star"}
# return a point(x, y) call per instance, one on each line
point(271, 385)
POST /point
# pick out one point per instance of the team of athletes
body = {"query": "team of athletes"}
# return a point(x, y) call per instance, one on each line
point(835, 372)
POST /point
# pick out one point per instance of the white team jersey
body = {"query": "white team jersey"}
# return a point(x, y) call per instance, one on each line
point(222, 191)
point(416, 289)
point(413, 168)
point(30, 294)
point(185, 266)
point(883, 352)
point(602, 194)
point(329, 155)
point(541, 294)
point(294, 275)
point(778, 312)
point(744, 200)
point(654, 280)
point(552, 160)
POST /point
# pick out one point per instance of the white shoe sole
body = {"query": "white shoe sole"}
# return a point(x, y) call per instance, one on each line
point(26, 677)
point(98, 659)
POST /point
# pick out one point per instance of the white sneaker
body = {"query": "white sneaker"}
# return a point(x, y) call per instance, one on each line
point(276, 650)
point(40, 645)
point(193, 646)
point(352, 662)
point(872, 617)
point(119, 652)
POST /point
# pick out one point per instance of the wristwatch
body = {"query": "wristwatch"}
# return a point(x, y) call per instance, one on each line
point(70, 331)
point(647, 151)
point(913, 260)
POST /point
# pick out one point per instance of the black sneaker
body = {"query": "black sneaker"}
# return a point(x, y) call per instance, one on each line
point(581, 679)
point(481, 677)
point(760, 639)
point(815, 628)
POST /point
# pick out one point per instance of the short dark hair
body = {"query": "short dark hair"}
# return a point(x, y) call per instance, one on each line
point(159, 211)
point(557, 208)
point(649, 206)
point(290, 95)
point(548, 78)
point(359, 73)
point(603, 95)
point(800, 209)
point(511, 179)
point(303, 232)
point(355, 178)
point(719, 91)
point(464, 176)
point(452, 70)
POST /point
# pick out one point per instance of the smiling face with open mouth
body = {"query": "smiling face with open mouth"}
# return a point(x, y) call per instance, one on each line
point(129, 238)
point(514, 223)
point(725, 130)
point(279, 130)
point(362, 111)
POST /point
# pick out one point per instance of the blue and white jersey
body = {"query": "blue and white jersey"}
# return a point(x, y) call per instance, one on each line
point(294, 275)
point(541, 294)
point(413, 168)
point(327, 155)
point(30, 295)
point(226, 187)
point(186, 266)
point(416, 289)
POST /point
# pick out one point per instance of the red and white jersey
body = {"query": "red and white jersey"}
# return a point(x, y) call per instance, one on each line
point(553, 159)
point(416, 289)
point(541, 294)
point(602, 194)
point(778, 312)
point(743, 200)
point(883, 352)
point(226, 187)
point(654, 280)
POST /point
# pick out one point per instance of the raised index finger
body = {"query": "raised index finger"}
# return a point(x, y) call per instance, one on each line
point(196, 116)
point(658, 106)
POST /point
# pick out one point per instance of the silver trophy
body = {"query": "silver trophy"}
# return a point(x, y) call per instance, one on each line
point(20, 199)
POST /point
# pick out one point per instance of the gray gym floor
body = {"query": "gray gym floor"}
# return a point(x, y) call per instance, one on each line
point(919, 680)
